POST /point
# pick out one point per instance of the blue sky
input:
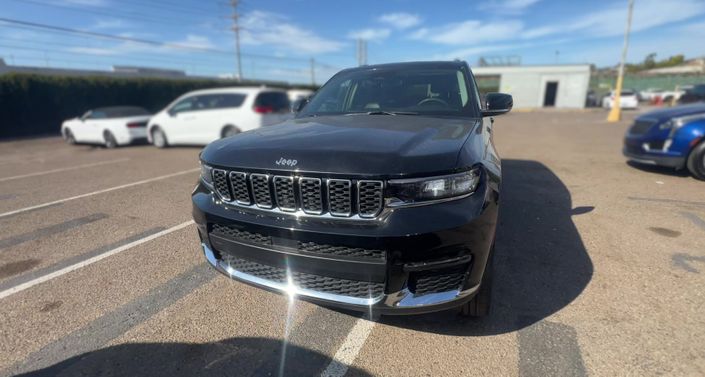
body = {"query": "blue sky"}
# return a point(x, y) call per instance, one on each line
point(279, 37)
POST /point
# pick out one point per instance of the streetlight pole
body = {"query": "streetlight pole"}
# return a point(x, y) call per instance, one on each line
point(616, 111)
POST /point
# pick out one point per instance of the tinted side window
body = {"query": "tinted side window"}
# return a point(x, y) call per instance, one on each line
point(220, 101)
point(277, 101)
point(186, 104)
point(97, 115)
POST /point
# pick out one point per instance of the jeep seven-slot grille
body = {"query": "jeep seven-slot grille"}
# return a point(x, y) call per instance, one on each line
point(325, 284)
point(314, 196)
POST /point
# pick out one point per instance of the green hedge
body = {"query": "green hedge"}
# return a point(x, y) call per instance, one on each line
point(37, 104)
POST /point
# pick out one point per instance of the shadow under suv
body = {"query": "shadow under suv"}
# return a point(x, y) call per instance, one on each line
point(381, 195)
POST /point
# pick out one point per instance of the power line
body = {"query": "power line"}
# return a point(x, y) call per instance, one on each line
point(41, 26)
point(108, 13)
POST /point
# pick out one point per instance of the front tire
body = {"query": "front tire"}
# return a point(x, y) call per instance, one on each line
point(109, 140)
point(696, 161)
point(479, 306)
point(229, 131)
point(68, 136)
point(159, 138)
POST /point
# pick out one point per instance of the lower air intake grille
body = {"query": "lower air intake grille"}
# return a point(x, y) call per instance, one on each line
point(336, 286)
point(238, 235)
point(312, 247)
point(437, 282)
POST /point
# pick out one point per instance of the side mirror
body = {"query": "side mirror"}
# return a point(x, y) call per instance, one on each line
point(497, 104)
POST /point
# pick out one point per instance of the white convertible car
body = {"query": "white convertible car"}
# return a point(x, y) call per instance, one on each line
point(199, 117)
point(109, 126)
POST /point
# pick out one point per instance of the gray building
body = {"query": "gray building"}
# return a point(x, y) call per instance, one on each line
point(561, 86)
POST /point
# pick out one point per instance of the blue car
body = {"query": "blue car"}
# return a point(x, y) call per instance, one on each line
point(673, 137)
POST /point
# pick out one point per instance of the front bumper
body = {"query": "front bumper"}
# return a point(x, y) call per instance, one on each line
point(650, 150)
point(400, 302)
point(675, 162)
point(426, 245)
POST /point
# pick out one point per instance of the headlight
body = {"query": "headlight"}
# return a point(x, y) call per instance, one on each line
point(424, 190)
point(207, 174)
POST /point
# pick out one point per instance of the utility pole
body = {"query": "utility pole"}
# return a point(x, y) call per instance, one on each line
point(616, 111)
point(361, 51)
point(313, 71)
point(236, 29)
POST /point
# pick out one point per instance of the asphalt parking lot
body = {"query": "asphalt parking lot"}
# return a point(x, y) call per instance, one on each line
point(600, 270)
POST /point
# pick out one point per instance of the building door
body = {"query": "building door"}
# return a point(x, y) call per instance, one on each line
point(549, 98)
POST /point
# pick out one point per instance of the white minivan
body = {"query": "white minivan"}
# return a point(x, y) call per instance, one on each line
point(201, 116)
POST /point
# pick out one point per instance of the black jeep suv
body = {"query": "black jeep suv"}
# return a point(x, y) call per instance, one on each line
point(381, 195)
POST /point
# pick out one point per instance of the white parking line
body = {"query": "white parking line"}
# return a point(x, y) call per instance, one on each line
point(95, 193)
point(84, 263)
point(63, 169)
point(349, 349)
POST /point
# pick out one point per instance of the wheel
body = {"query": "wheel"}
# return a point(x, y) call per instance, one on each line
point(479, 306)
point(158, 138)
point(696, 161)
point(110, 141)
point(229, 131)
point(68, 136)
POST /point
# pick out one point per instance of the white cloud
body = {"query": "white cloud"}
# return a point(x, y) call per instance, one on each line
point(94, 51)
point(610, 21)
point(400, 20)
point(507, 6)
point(369, 34)
point(470, 32)
point(195, 41)
point(266, 28)
point(110, 24)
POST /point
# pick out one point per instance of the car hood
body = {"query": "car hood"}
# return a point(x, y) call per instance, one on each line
point(379, 145)
point(674, 112)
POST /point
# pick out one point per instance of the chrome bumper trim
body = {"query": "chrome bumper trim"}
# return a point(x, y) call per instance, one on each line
point(401, 299)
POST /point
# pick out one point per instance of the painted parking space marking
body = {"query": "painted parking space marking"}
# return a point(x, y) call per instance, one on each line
point(89, 261)
point(4, 179)
point(48, 204)
point(115, 323)
point(31, 275)
point(350, 348)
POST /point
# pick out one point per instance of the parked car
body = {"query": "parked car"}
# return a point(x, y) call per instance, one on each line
point(692, 95)
point(298, 94)
point(650, 94)
point(673, 137)
point(109, 126)
point(591, 99)
point(199, 117)
point(627, 100)
point(380, 196)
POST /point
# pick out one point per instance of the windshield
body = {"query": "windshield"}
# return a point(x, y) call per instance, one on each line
point(413, 90)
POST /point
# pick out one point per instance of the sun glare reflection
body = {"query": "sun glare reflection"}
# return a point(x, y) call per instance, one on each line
point(291, 294)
